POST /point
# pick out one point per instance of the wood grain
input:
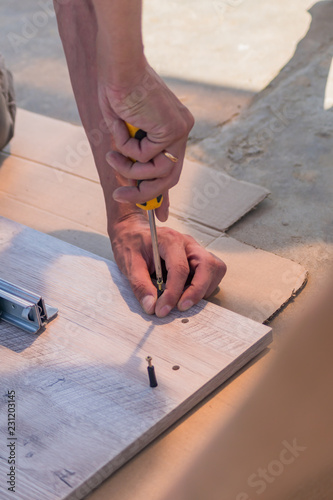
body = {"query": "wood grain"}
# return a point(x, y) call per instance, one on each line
point(84, 406)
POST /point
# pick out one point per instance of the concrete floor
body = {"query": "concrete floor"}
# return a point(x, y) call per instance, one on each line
point(257, 77)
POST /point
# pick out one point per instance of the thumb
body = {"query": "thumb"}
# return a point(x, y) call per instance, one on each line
point(142, 286)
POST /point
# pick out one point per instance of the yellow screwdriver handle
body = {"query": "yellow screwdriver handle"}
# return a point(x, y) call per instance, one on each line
point(139, 134)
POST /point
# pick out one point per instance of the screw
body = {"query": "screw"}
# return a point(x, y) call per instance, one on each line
point(151, 372)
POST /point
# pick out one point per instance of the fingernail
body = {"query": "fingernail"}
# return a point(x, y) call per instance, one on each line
point(184, 306)
point(148, 304)
point(108, 158)
point(164, 311)
point(117, 197)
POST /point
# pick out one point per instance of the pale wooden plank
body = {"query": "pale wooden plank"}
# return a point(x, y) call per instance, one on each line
point(82, 384)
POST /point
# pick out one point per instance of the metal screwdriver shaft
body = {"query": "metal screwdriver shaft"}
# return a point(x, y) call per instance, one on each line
point(156, 255)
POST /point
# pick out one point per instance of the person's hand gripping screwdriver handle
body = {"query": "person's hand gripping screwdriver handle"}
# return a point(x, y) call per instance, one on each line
point(150, 206)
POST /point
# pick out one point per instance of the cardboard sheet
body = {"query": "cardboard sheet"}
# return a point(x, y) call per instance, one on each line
point(257, 283)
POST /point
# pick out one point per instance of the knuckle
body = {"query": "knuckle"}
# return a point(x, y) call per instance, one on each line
point(191, 241)
point(118, 143)
point(183, 270)
point(181, 129)
point(190, 120)
point(222, 268)
point(169, 234)
point(217, 266)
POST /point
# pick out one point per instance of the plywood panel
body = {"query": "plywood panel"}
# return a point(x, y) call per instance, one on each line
point(84, 403)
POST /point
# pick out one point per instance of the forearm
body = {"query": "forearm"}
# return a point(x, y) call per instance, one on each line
point(77, 23)
point(112, 80)
point(120, 56)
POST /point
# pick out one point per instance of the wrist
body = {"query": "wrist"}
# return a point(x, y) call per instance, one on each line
point(122, 79)
point(126, 221)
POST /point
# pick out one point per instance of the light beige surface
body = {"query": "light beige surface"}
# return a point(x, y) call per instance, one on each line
point(55, 143)
point(231, 43)
point(68, 203)
point(81, 385)
point(71, 197)
point(211, 198)
point(267, 282)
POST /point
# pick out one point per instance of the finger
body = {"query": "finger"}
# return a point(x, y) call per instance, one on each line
point(142, 286)
point(147, 190)
point(136, 170)
point(162, 212)
point(153, 144)
point(208, 273)
point(220, 270)
point(178, 270)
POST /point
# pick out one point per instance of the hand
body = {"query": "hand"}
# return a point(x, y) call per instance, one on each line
point(147, 103)
point(132, 248)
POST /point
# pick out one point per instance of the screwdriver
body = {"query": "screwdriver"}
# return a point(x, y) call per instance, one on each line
point(150, 206)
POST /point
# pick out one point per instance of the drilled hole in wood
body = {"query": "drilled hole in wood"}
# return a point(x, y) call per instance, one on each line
point(176, 367)
point(185, 320)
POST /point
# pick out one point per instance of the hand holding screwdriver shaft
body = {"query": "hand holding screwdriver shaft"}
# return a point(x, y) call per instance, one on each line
point(150, 207)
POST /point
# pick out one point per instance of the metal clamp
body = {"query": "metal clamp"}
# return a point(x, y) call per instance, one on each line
point(24, 309)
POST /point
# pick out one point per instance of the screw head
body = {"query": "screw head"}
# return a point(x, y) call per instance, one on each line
point(149, 360)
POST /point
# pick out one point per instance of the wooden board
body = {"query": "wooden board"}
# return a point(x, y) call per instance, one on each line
point(84, 406)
